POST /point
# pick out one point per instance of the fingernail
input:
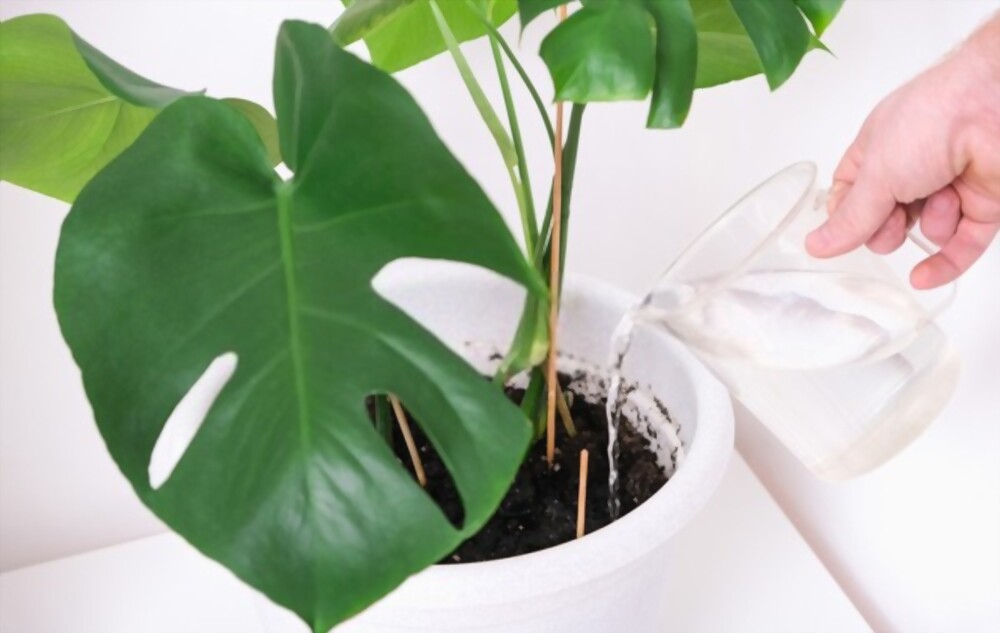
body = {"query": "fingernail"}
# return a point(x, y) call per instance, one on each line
point(920, 277)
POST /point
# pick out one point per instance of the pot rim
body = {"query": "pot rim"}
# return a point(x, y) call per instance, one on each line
point(643, 530)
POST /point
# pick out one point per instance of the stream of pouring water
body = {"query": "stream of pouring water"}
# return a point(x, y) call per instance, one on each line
point(621, 340)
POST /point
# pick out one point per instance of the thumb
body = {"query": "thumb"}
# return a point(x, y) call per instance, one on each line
point(866, 205)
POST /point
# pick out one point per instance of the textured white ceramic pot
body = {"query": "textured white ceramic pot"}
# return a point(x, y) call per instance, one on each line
point(609, 581)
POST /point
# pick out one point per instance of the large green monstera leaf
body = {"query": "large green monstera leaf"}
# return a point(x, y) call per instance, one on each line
point(401, 33)
point(189, 247)
point(66, 109)
point(610, 50)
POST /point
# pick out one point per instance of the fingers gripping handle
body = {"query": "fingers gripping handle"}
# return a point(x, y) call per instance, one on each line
point(949, 290)
point(913, 236)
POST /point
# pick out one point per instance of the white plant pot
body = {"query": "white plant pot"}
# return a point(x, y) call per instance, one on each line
point(611, 580)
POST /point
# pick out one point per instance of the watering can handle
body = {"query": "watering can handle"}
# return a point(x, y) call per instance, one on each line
point(951, 288)
point(914, 237)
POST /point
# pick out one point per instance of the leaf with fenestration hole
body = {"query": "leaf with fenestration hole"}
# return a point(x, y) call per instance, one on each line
point(779, 34)
point(725, 51)
point(401, 33)
point(610, 50)
point(66, 109)
point(189, 247)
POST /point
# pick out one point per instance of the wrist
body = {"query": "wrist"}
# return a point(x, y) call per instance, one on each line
point(973, 72)
point(981, 51)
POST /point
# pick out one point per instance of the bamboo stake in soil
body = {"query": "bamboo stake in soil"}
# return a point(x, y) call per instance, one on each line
point(581, 497)
point(411, 446)
point(551, 376)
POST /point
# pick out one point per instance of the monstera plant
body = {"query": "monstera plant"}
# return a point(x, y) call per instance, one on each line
point(184, 245)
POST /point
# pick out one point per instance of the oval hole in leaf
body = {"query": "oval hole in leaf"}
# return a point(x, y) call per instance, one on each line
point(187, 417)
point(441, 486)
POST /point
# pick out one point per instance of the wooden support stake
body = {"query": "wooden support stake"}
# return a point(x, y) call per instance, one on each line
point(411, 446)
point(581, 497)
point(551, 375)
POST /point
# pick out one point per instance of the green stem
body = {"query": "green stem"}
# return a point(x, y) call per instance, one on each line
point(531, 404)
point(570, 151)
point(530, 321)
point(528, 220)
point(495, 36)
point(489, 117)
point(569, 162)
point(528, 228)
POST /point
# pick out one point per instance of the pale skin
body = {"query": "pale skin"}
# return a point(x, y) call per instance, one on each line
point(928, 153)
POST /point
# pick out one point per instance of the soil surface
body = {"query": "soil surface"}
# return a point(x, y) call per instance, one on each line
point(539, 510)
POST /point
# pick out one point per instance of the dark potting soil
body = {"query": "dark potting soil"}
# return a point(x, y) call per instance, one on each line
point(540, 510)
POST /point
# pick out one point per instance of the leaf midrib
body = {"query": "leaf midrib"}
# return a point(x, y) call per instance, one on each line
point(283, 192)
point(68, 110)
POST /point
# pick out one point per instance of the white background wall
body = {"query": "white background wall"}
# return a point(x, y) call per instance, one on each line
point(916, 544)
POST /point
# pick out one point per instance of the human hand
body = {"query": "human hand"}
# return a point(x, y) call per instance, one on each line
point(930, 150)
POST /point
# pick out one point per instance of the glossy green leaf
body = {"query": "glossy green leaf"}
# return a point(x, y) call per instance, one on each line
point(401, 33)
point(779, 35)
point(602, 53)
point(61, 122)
point(263, 122)
point(360, 17)
point(528, 10)
point(725, 51)
point(591, 57)
point(66, 109)
point(189, 246)
point(118, 80)
point(820, 12)
point(676, 62)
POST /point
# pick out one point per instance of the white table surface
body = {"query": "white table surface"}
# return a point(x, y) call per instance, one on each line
point(740, 566)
